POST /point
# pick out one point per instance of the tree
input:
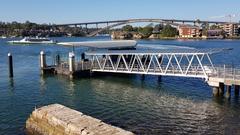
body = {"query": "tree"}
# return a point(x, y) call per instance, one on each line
point(205, 25)
point(127, 28)
point(158, 28)
point(146, 31)
point(214, 27)
point(169, 31)
point(135, 29)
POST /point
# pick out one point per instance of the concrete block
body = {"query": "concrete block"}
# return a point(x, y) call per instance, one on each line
point(60, 120)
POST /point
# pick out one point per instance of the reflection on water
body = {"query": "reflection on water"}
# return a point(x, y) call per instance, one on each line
point(155, 109)
point(11, 85)
point(170, 106)
point(145, 108)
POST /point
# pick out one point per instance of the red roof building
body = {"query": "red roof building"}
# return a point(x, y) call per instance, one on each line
point(187, 31)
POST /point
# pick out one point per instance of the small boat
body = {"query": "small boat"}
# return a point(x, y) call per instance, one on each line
point(31, 40)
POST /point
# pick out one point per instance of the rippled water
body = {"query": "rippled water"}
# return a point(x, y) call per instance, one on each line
point(172, 106)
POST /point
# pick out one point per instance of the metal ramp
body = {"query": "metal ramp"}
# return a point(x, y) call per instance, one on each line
point(166, 62)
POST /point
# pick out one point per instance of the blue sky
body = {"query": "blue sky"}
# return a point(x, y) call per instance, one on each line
point(70, 11)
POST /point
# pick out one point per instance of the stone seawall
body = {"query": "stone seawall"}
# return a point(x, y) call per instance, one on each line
point(57, 119)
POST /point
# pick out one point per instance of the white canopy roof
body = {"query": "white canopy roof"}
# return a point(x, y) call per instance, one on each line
point(158, 51)
point(103, 44)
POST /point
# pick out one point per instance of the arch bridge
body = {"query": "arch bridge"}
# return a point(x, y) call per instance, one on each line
point(133, 21)
point(115, 23)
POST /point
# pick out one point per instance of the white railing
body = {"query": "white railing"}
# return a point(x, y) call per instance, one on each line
point(227, 72)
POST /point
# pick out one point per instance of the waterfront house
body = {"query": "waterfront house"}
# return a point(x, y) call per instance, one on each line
point(188, 31)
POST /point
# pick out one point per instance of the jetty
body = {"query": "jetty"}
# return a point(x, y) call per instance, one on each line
point(57, 119)
point(122, 57)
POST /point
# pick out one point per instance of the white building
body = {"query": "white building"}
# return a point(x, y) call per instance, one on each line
point(230, 29)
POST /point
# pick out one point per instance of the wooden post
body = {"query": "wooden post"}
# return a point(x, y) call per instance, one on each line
point(10, 65)
point(71, 62)
point(42, 60)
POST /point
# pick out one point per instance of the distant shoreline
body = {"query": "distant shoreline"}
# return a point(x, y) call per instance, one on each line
point(123, 38)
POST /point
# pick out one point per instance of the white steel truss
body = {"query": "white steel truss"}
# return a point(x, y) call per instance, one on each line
point(197, 65)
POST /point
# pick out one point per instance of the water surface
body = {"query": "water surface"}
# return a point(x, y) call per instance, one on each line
point(172, 106)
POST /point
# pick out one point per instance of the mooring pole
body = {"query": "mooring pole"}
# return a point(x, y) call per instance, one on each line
point(42, 60)
point(10, 65)
point(71, 62)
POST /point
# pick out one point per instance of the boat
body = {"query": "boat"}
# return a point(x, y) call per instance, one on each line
point(33, 40)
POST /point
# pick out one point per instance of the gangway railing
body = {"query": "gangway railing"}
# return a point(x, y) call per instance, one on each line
point(184, 64)
point(226, 72)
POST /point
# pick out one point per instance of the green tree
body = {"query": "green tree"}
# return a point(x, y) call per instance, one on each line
point(127, 28)
point(169, 31)
point(146, 31)
point(158, 28)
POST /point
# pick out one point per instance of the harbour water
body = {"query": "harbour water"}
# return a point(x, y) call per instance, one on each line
point(172, 106)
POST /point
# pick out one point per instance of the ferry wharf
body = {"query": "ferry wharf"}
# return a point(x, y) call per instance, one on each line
point(121, 57)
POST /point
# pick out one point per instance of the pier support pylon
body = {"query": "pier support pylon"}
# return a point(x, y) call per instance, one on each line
point(42, 61)
point(215, 91)
point(71, 63)
point(228, 91)
point(236, 89)
point(142, 77)
point(159, 78)
point(221, 89)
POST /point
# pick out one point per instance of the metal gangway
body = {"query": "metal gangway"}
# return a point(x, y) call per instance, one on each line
point(166, 62)
point(194, 63)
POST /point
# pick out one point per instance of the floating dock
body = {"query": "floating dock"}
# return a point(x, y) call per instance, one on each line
point(57, 119)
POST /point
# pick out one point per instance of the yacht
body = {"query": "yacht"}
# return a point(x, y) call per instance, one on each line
point(32, 40)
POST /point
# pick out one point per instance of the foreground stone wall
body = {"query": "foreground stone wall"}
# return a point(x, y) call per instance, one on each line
point(57, 119)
